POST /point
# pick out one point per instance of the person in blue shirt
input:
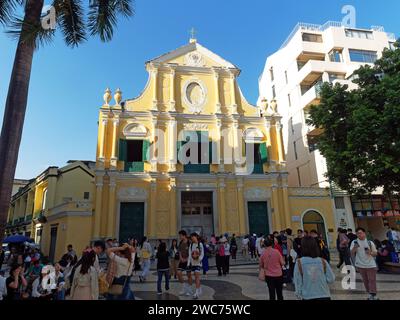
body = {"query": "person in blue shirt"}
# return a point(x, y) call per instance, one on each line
point(312, 274)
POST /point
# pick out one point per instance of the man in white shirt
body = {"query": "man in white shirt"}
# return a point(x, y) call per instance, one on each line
point(245, 247)
point(365, 253)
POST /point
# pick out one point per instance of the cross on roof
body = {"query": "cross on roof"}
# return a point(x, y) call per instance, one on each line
point(193, 33)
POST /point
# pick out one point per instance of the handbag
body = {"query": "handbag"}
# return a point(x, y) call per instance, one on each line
point(103, 284)
point(261, 275)
point(116, 288)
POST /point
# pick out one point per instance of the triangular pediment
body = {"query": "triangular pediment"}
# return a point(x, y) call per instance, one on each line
point(195, 55)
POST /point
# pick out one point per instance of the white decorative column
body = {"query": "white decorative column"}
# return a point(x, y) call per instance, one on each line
point(172, 90)
point(278, 131)
point(241, 206)
point(153, 208)
point(232, 79)
point(219, 155)
point(217, 94)
point(237, 153)
point(114, 157)
point(276, 217)
point(99, 201)
point(172, 150)
point(111, 207)
point(153, 158)
point(102, 138)
point(154, 79)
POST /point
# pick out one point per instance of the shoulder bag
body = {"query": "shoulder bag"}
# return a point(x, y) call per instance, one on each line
point(116, 289)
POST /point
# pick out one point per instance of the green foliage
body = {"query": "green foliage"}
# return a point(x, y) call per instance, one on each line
point(361, 128)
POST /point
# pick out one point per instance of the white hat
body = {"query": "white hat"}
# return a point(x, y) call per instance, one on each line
point(223, 239)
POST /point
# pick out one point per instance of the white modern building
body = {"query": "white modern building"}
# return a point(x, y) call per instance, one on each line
point(292, 76)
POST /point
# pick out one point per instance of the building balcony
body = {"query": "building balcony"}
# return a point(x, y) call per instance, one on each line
point(134, 166)
point(351, 85)
point(196, 168)
point(314, 68)
point(312, 96)
point(71, 206)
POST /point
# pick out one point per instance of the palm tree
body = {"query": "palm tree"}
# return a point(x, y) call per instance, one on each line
point(76, 21)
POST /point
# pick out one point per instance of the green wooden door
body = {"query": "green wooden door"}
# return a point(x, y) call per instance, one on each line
point(131, 221)
point(258, 217)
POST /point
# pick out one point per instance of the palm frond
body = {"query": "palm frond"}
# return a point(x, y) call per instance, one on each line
point(32, 35)
point(7, 8)
point(125, 7)
point(70, 18)
point(102, 19)
point(102, 16)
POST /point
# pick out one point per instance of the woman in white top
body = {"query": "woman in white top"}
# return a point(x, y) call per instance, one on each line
point(125, 263)
point(85, 283)
point(196, 255)
point(145, 254)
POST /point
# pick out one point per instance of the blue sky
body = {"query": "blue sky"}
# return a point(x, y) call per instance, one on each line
point(67, 84)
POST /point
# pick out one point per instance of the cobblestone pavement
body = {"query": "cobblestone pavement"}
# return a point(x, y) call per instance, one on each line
point(242, 284)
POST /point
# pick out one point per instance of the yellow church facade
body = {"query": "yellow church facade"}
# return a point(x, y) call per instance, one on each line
point(191, 153)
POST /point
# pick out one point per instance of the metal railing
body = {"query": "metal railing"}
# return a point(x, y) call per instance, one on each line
point(322, 27)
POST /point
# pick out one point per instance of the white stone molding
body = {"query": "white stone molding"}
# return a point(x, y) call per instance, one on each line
point(135, 130)
point(195, 126)
point(257, 194)
point(304, 192)
point(132, 194)
point(194, 106)
point(253, 135)
point(194, 59)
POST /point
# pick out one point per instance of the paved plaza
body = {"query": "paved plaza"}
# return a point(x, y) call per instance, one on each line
point(242, 284)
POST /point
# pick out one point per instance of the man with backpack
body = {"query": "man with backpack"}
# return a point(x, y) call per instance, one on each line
point(183, 250)
point(365, 252)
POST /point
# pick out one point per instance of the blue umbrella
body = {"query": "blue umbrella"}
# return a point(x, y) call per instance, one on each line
point(16, 239)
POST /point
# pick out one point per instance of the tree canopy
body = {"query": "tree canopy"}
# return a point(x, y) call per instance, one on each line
point(361, 128)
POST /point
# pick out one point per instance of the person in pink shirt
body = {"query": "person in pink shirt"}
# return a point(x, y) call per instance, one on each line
point(271, 263)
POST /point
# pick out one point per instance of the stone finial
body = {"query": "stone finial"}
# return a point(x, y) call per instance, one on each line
point(274, 106)
point(107, 97)
point(264, 106)
point(118, 97)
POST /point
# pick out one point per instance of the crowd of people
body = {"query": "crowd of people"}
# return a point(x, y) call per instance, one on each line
point(105, 269)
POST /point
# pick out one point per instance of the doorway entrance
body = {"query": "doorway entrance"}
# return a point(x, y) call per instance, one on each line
point(53, 241)
point(131, 221)
point(258, 217)
point(312, 220)
point(197, 212)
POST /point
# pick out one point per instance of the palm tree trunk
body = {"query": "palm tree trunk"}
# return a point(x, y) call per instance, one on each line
point(14, 113)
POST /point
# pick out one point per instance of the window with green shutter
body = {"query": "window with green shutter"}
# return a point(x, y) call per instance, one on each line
point(122, 150)
point(146, 150)
point(204, 152)
point(260, 156)
point(263, 153)
point(134, 153)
